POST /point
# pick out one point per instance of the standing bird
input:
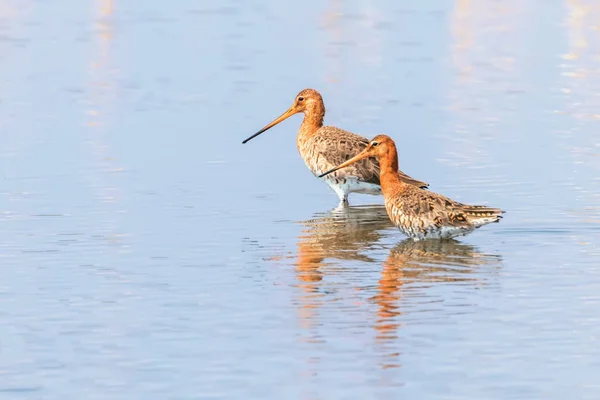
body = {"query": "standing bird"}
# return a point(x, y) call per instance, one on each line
point(418, 213)
point(324, 147)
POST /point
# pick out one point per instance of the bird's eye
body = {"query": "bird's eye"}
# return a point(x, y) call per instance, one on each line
point(300, 98)
point(373, 144)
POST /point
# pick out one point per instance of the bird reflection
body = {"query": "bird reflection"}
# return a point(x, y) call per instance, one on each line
point(355, 234)
point(343, 233)
point(425, 263)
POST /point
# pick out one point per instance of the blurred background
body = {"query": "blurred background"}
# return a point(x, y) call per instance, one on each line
point(147, 254)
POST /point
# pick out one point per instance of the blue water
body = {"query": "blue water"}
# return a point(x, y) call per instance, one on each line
point(148, 254)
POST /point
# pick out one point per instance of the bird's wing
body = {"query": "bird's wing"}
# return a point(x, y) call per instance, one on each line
point(336, 146)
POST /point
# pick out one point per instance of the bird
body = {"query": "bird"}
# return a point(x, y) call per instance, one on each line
point(420, 214)
point(323, 147)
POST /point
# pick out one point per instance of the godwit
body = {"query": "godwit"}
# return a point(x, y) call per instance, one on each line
point(324, 147)
point(418, 213)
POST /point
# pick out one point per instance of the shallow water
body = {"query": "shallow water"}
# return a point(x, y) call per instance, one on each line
point(148, 254)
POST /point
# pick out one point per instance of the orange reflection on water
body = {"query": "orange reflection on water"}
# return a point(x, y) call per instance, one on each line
point(349, 234)
point(424, 263)
point(342, 234)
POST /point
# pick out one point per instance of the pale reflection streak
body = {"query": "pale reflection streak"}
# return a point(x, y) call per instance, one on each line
point(13, 13)
point(576, 66)
point(352, 39)
point(102, 86)
point(462, 31)
point(462, 99)
point(581, 68)
point(484, 38)
point(9, 9)
point(332, 56)
point(576, 32)
point(102, 91)
point(368, 35)
point(580, 86)
point(348, 234)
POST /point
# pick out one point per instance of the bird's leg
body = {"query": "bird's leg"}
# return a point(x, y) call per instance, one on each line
point(342, 196)
point(343, 201)
point(342, 206)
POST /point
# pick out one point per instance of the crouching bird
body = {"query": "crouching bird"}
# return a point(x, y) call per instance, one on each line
point(420, 214)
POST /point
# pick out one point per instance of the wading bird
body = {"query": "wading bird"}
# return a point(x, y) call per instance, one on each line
point(418, 213)
point(324, 147)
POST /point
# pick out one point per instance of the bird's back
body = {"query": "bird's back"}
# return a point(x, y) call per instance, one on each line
point(329, 147)
point(421, 213)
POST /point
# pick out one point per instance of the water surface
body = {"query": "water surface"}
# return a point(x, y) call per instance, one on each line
point(148, 254)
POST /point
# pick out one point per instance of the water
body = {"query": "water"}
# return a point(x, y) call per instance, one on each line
point(148, 254)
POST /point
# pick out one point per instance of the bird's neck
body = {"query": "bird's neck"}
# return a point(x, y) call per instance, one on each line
point(313, 120)
point(388, 165)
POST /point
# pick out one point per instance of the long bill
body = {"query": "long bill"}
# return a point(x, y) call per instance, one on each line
point(363, 154)
point(291, 111)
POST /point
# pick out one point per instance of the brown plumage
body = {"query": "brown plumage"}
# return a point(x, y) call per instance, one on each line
point(418, 213)
point(324, 147)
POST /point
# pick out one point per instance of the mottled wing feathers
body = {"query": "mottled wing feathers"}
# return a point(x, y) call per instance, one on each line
point(411, 181)
point(434, 209)
point(482, 211)
point(336, 146)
